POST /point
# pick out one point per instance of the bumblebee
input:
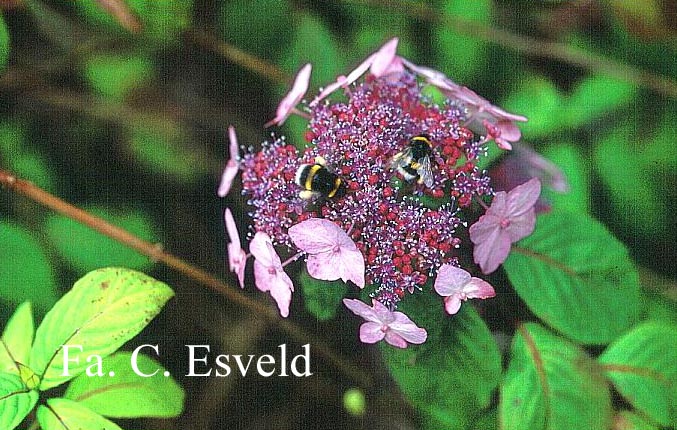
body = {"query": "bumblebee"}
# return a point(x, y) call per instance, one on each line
point(318, 181)
point(414, 162)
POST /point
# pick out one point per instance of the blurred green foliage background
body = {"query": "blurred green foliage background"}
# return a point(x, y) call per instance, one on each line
point(127, 116)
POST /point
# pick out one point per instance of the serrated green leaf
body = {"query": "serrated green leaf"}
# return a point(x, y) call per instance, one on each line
point(17, 339)
point(594, 97)
point(451, 377)
point(539, 100)
point(16, 401)
point(4, 44)
point(113, 305)
point(575, 276)
point(127, 394)
point(575, 167)
point(552, 384)
point(643, 367)
point(25, 272)
point(322, 298)
point(86, 249)
point(164, 150)
point(115, 76)
point(64, 414)
point(627, 420)
point(461, 56)
point(248, 25)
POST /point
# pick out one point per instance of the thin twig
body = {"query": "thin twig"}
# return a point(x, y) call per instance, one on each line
point(156, 253)
point(531, 46)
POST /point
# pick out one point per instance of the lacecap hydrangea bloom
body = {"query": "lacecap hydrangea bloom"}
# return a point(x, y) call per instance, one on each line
point(379, 192)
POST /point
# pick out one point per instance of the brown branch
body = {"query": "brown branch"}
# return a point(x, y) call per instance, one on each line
point(155, 252)
point(531, 46)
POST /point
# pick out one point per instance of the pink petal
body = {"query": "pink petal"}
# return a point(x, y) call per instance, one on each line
point(332, 253)
point(394, 339)
point(293, 97)
point(479, 289)
point(259, 249)
point(492, 252)
point(523, 197)
point(380, 63)
point(484, 228)
point(539, 167)
point(509, 131)
point(452, 304)
point(362, 309)
point(231, 228)
point(269, 276)
point(522, 225)
point(237, 258)
point(232, 166)
point(316, 235)
point(407, 329)
point(450, 279)
point(371, 332)
point(385, 61)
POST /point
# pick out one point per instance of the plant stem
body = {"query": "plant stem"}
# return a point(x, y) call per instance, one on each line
point(155, 252)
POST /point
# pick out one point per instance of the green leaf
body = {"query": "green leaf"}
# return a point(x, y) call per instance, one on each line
point(451, 377)
point(552, 384)
point(247, 25)
point(539, 100)
point(596, 96)
point(164, 150)
point(4, 44)
point(22, 159)
point(462, 57)
point(64, 414)
point(17, 339)
point(626, 420)
point(575, 167)
point(641, 206)
point(16, 401)
point(643, 367)
point(113, 305)
point(574, 275)
point(86, 249)
point(115, 76)
point(486, 421)
point(314, 43)
point(25, 272)
point(322, 298)
point(127, 394)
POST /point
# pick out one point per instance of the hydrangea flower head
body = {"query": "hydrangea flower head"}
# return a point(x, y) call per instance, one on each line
point(408, 173)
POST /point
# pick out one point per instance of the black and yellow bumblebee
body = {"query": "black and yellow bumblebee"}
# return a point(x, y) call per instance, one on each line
point(318, 182)
point(414, 162)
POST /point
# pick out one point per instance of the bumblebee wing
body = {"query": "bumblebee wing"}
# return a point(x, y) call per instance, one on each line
point(426, 172)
